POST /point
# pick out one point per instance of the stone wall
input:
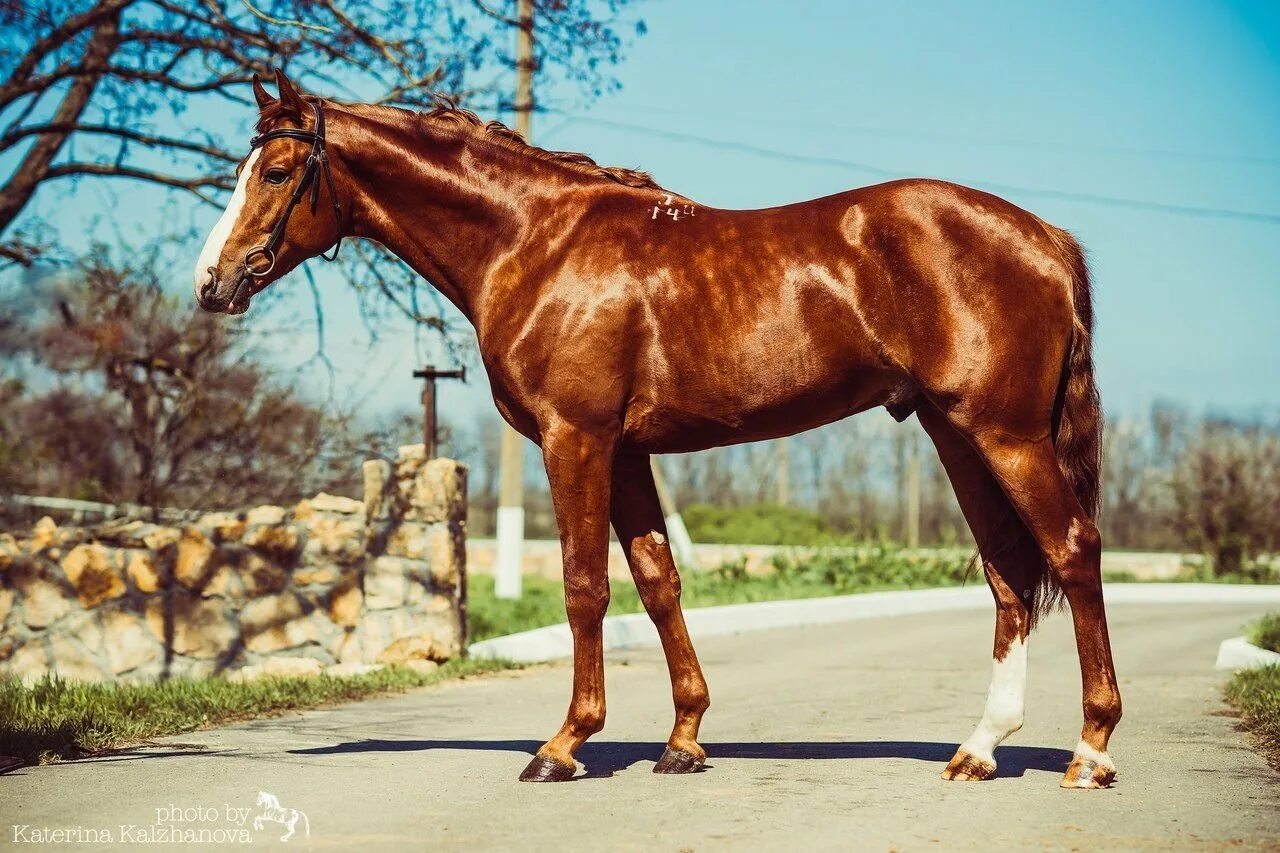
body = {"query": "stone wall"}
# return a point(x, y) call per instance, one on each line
point(331, 584)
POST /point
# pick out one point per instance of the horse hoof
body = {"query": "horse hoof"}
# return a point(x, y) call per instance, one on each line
point(967, 767)
point(547, 770)
point(678, 761)
point(1089, 773)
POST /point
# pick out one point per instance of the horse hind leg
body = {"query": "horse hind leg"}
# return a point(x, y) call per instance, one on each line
point(1011, 561)
point(638, 522)
point(1028, 470)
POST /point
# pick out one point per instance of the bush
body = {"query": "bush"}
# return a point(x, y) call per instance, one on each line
point(761, 524)
point(1266, 634)
point(873, 566)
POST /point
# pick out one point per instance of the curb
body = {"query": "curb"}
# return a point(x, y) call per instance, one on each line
point(1239, 653)
point(635, 630)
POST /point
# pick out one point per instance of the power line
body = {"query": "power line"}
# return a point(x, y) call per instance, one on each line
point(1202, 156)
point(879, 171)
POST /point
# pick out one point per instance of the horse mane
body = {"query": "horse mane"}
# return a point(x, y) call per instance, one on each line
point(447, 113)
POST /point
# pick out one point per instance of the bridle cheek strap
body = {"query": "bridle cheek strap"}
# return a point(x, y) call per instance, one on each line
point(317, 161)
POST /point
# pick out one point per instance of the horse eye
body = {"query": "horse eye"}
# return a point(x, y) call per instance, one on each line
point(275, 176)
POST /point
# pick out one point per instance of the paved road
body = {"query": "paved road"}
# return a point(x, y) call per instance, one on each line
point(822, 738)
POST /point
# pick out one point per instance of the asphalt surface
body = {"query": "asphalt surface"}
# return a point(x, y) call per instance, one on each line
point(818, 738)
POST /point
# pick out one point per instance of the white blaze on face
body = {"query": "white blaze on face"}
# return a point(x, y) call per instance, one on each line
point(1005, 700)
point(218, 236)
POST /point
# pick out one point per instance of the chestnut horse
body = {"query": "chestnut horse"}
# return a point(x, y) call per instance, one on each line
point(617, 319)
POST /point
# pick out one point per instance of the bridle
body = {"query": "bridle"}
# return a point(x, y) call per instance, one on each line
point(317, 161)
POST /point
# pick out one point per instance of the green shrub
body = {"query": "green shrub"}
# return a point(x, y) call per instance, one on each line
point(1266, 633)
point(761, 524)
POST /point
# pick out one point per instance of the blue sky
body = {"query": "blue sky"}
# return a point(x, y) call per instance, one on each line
point(1172, 103)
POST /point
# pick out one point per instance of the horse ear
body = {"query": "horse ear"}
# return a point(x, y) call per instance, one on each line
point(261, 95)
point(290, 100)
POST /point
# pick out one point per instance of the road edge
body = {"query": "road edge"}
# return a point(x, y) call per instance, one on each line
point(635, 630)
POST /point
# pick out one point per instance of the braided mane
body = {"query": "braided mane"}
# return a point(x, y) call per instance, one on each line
point(447, 113)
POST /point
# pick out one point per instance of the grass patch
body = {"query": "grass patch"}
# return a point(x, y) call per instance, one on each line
point(760, 524)
point(1256, 693)
point(1266, 633)
point(836, 572)
point(55, 719)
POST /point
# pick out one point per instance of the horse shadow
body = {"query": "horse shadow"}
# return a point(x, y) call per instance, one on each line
point(604, 758)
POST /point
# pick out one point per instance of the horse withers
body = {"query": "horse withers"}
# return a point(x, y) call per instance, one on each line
point(617, 319)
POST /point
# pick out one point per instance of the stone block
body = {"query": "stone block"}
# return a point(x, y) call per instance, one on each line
point(43, 603)
point(291, 667)
point(325, 502)
point(377, 481)
point(414, 647)
point(422, 666)
point(225, 582)
point(128, 644)
point(385, 583)
point(94, 574)
point(88, 632)
point(268, 515)
point(43, 535)
point(162, 538)
point(444, 556)
point(346, 601)
point(434, 493)
point(201, 627)
point(408, 539)
point(195, 563)
point(340, 539)
point(141, 569)
point(347, 670)
point(308, 575)
point(262, 577)
point(348, 647)
point(279, 542)
point(9, 550)
point(274, 623)
point(70, 660)
point(28, 662)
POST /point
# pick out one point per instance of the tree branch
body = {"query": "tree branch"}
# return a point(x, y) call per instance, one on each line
point(14, 136)
point(112, 170)
point(282, 21)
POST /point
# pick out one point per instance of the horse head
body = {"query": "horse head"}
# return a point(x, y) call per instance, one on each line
point(285, 207)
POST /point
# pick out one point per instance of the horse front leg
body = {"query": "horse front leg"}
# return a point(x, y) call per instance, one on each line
point(638, 521)
point(579, 463)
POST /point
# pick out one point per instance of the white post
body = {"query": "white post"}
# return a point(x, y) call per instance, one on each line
point(677, 533)
point(510, 559)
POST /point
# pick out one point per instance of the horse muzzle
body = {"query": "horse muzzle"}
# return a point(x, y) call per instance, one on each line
point(230, 296)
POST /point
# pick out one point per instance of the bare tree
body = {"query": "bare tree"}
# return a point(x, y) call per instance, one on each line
point(105, 89)
point(133, 399)
point(1226, 487)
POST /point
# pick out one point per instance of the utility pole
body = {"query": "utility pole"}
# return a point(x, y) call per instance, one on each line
point(681, 544)
point(911, 523)
point(429, 375)
point(784, 472)
point(510, 532)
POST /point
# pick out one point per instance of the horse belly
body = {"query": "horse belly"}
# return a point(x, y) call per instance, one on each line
point(688, 416)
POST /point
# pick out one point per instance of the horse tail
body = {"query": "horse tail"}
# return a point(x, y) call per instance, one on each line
point(1077, 413)
point(306, 822)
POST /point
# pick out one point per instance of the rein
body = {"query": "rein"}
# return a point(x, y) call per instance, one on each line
point(317, 161)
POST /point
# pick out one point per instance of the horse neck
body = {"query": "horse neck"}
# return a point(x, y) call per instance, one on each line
point(450, 204)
